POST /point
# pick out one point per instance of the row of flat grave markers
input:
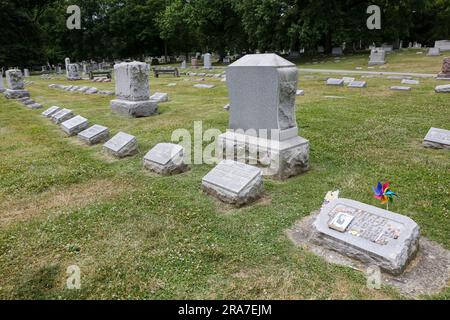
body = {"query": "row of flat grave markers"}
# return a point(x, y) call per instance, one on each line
point(350, 82)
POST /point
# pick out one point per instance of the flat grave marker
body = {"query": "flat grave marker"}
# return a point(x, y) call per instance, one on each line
point(121, 145)
point(94, 134)
point(74, 125)
point(50, 111)
point(437, 138)
point(165, 159)
point(62, 115)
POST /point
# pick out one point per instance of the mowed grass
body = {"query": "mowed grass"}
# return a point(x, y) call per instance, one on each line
point(141, 236)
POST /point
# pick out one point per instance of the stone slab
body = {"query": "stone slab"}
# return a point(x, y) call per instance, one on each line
point(357, 84)
point(408, 81)
point(94, 134)
point(165, 159)
point(437, 138)
point(400, 88)
point(443, 88)
point(300, 92)
point(374, 236)
point(204, 86)
point(74, 125)
point(132, 82)
point(62, 115)
point(121, 145)
point(160, 97)
point(16, 94)
point(234, 182)
point(335, 82)
point(50, 111)
point(35, 106)
point(134, 109)
point(347, 80)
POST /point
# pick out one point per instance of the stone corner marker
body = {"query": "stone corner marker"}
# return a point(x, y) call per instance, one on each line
point(234, 182)
point(74, 125)
point(133, 90)
point(166, 159)
point(366, 233)
point(62, 115)
point(15, 84)
point(121, 145)
point(51, 111)
point(437, 138)
point(261, 90)
point(94, 134)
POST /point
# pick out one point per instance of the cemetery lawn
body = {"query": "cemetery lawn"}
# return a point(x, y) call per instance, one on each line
point(141, 236)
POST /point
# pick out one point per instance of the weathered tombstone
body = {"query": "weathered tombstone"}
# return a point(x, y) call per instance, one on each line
point(357, 84)
point(183, 65)
point(445, 72)
point(409, 81)
point(335, 82)
point(377, 56)
point(442, 45)
point(194, 62)
point(2, 87)
point(74, 125)
point(133, 90)
point(166, 159)
point(50, 111)
point(207, 61)
point(67, 62)
point(121, 145)
point(16, 87)
point(372, 235)
point(400, 88)
point(160, 97)
point(437, 138)
point(261, 89)
point(26, 73)
point(234, 182)
point(443, 88)
point(434, 52)
point(62, 115)
point(336, 51)
point(73, 72)
point(204, 86)
point(94, 134)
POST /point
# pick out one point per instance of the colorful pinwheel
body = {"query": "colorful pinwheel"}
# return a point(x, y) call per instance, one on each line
point(383, 193)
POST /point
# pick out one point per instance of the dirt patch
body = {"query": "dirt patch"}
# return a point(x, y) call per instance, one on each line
point(75, 196)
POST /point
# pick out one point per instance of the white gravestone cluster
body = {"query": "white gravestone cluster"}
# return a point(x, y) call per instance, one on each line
point(133, 90)
point(166, 159)
point(207, 61)
point(16, 87)
point(437, 138)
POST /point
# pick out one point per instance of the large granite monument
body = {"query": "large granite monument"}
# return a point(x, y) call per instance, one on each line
point(133, 90)
point(377, 56)
point(443, 45)
point(15, 84)
point(445, 72)
point(262, 125)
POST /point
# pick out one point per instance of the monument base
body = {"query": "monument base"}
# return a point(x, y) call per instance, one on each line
point(134, 109)
point(276, 159)
point(16, 94)
point(376, 63)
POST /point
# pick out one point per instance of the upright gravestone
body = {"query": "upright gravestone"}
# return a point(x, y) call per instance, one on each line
point(2, 87)
point(26, 73)
point(367, 233)
point(166, 159)
point(336, 51)
point(133, 90)
point(442, 45)
point(207, 61)
point(445, 72)
point(16, 87)
point(437, 138)
point(434, 52)
point(377, 56)
point(262, 123)
point(183, 65)
point(73, 72)
point(66, 63)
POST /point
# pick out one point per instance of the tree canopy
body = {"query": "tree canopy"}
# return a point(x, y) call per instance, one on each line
point(35, 32)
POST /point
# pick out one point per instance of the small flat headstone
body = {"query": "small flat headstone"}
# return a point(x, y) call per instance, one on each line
point(94, 134)
point(367, 233)
point(227, 107)
point(357, 84)
point(347, 80)
point(400, 88)
point(34, 106)
point(28, 101)
point(160, 97)
point(91, 91)
point(437, 138)
point(165, 159)
point(335, 82)
point(62, 115)
point(171, 84)
point(50, 111)
point(408, 81)
point(234, 182)
point(300, 92)
point(443, 88)
point(74, 125)
point(121, 145)
point(204, 86)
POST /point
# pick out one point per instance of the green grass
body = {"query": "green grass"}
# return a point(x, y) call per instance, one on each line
point(137, 235)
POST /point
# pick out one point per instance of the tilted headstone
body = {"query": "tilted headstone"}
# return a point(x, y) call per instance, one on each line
point(437, 138)
point(400, 88)
point(409, 81)
point(372, 235)
point(443, 88)
point(133, 90)
point(121, 145)
point(74, 125)
point(207, 61)
point(73, 72)
point(160, 97)
point(62, 115)
point(51, 111)
point(335, 82)
point(234, 182)
point(377, 56)
point(166, 159)
point(445, 72)
point(434, 52)
point(357, 84)
point(94, 134)
point(15, 84)
point(261, 89)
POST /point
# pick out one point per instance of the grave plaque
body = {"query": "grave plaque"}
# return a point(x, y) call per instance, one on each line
point(94, 134)
point(62, 115)
point(165, 159)
point(443, 88)
point(121, 145)
point(34, 105)
point(234, 182)
point(400, 88)
point(335, 82)
point(160, 97)
point(367, 233)
point(437, 138)
point(74, 125)
point(357, 84)
point(15, 84)
point(408, 81)
point(204, 86)
point(50, 111)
